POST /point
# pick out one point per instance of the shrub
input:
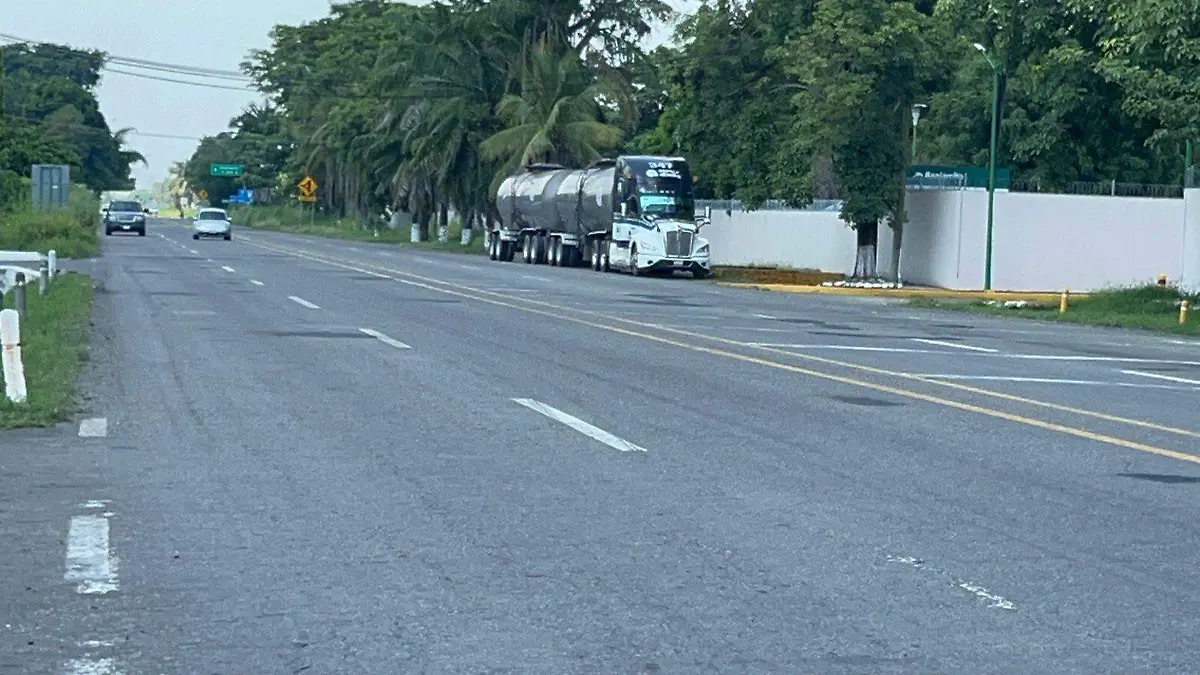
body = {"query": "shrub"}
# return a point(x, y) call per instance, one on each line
point(72, 232)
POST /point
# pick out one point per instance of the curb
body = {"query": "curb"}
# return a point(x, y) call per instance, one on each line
point(1030, 296)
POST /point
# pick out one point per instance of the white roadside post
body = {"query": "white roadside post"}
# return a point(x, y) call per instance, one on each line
point(14, 371)
point(52, 261)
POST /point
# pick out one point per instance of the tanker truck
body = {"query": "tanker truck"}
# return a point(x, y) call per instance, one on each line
point(633, 213)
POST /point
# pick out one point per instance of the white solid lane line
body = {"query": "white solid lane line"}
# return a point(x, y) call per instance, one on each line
point(851, 348)
point(302, 301)
point(942, 343)
point(1018, 357)
point(579, 425)
point(94, 427)
point(89, 560)
point(1168, 378)
point(91, 667)
point(227, 268)
point(256, 282)
point(385, 339)
point(1049, 380)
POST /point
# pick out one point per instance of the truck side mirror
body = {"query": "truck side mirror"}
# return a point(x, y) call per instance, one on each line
point(708, 213)
point(624, 209)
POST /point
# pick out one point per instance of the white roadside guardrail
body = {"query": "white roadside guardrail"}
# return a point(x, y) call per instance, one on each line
point(15, 277)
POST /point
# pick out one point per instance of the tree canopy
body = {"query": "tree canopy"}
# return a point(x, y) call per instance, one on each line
point(426, 108)
point(50, 116)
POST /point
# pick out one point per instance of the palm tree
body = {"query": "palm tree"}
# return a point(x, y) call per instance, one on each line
point(128, 157)
point(558, 117)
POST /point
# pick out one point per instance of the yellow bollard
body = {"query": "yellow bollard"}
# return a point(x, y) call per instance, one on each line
point(1062, 301)
point(1183, 311)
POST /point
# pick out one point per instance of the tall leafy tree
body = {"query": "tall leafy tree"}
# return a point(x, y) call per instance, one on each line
point(51, 115)
point(861, 64)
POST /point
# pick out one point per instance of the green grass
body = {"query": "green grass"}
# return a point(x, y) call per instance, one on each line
point(1149, 307)
point(70, 232)
point(54, 338)
point(292, 220)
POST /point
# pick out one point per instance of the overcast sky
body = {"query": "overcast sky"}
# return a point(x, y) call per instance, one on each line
point(213, 34)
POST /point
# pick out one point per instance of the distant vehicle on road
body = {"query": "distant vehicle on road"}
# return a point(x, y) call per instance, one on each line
point(633, 213)
point(124, 215)
point(212, 223)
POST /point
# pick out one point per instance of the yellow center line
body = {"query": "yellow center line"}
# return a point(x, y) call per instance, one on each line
point(367, 268)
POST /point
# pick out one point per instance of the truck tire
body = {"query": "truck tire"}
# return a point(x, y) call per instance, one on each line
point(493, 249)
point(633, 268)
point(527, 249)
point(595, 258)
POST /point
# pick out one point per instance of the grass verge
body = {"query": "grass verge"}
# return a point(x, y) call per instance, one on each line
point(293, 221)
point(1149, 307)
point(71, 232)
point(54, 338)
point(771, 275)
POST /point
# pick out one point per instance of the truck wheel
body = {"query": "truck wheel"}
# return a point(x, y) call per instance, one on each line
point(552, 257)
point(605, 259)
point(633, 268)
point(596, 258)
point(527, 249)
point(541, 249)
point(493, 248)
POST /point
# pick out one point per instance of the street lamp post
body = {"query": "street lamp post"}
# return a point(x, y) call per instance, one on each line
point(916, 117)
point(996, 71)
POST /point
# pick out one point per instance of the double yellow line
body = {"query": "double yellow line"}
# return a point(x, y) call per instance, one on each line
point(567, 314)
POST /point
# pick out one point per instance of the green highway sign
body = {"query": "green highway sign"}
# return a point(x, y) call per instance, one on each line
point(226, 170)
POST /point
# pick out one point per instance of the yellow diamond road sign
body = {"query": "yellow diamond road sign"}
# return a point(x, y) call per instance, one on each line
point(307, 186)
point(203, 194)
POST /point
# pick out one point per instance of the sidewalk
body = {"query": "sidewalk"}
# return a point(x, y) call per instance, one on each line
point(914, 292)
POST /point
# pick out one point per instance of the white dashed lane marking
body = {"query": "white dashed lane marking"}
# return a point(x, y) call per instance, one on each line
point(579, 425)
point(385, 339)
point(94, 427)
point(302, 302)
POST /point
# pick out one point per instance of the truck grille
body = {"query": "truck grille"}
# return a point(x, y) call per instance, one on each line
point(679, 244)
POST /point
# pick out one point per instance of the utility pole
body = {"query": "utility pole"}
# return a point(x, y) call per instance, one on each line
point(997, 71)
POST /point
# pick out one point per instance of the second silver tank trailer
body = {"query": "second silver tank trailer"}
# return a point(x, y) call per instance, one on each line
point(632, 213)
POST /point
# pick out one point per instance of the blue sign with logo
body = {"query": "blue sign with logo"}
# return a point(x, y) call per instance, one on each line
point(246, 196)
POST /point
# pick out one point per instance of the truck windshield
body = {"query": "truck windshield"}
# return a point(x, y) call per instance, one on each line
point(666, 190)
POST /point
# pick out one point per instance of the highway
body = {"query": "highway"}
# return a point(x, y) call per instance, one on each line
point(317, 456)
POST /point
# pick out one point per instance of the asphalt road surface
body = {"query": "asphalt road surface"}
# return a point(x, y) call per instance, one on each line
point(306, 455)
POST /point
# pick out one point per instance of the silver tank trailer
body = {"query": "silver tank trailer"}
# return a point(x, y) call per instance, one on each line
point(572, 201)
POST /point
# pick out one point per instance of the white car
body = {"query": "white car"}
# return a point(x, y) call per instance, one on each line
point(212, 223)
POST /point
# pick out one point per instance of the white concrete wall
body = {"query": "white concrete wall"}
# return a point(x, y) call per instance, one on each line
point(816, 240)
point(1042, 242)
point(1190, 248)
point(1051, 242)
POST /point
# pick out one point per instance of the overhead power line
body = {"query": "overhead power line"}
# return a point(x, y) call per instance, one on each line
point(154, 65)
point(81, 126)
point(180, 71)
point(245, 89)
